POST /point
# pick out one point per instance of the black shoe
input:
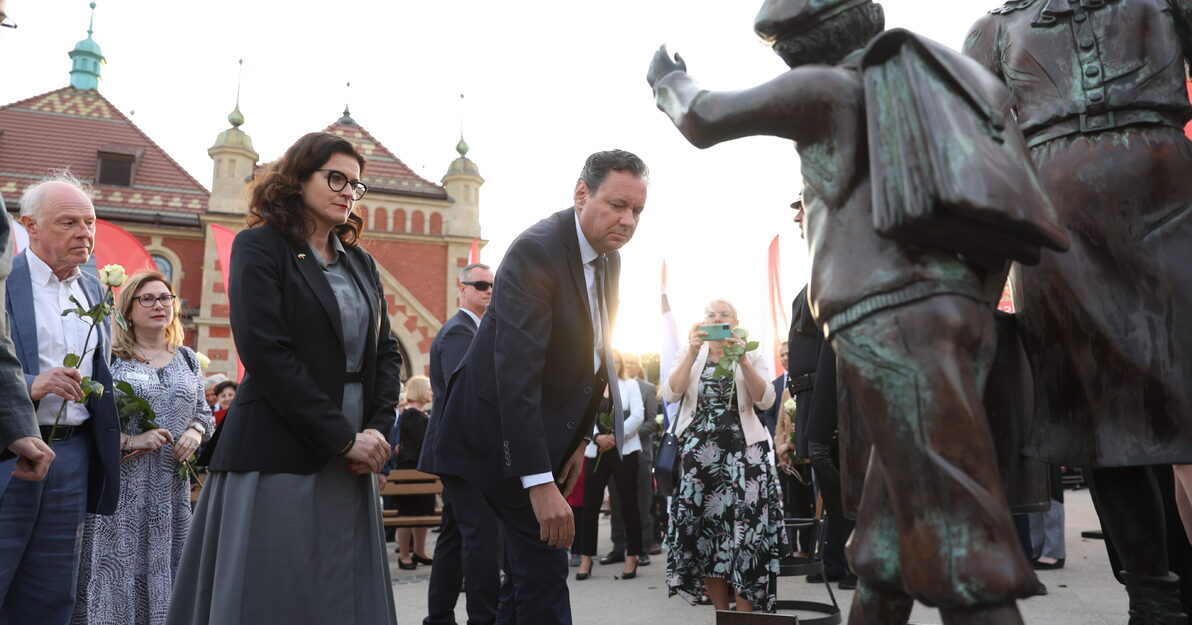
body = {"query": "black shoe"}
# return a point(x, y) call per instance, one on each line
point(849, 582)
point(818, 578)
point(581, 576)
point(1046, 566)
point(421, 559)
point(643, 560)
point(613, 557)
point(406, 567)
point(631, 574)
point(1040, 590)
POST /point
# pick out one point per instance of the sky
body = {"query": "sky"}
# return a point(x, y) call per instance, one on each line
point(545, 83)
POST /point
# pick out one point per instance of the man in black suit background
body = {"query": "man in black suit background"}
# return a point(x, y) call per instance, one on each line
point(812, 382)
point(518, 408)
point(467, 544)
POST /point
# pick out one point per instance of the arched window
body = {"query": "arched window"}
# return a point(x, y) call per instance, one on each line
point(436, 223)
point(399, 220)
point(417, 223)
point(164, 266)
point(380, 219)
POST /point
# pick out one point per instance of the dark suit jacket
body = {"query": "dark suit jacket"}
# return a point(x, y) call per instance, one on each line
point(769, 416)
point(446, 352)
point(815, 412)
point(103, 482)
point(16, 411)
point(525, 394)
point(804, 344)
point(287, 417)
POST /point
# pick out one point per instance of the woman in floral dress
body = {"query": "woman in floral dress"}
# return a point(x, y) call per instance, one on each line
point(725, 516)
point(128, 561)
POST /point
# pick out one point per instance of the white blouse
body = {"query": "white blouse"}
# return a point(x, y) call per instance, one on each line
point(631, 399)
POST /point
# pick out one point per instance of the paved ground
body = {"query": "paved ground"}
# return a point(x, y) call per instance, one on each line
point(1082, 593)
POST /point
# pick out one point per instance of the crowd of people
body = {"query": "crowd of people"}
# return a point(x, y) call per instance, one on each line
point(528, 416)
point(298, 439)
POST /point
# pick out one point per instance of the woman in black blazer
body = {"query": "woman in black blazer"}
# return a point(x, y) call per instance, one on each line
point(288, 528)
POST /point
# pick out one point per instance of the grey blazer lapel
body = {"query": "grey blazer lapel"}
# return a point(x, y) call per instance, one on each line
point(95, 292)
point(22, 318)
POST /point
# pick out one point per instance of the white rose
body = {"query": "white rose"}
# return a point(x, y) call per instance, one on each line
point(112, 275)
point(204, 361)
point(741, 333)
point(789, 406)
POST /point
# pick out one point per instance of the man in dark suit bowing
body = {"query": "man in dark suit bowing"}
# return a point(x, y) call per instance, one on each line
point(525, 397)
point(467, 544)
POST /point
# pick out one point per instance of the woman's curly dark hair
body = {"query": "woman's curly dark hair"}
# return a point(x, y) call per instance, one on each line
point(277, 195)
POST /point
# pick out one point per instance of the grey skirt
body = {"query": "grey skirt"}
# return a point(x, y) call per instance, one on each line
point(285, 549)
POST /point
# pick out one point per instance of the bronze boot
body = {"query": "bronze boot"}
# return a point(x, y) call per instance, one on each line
point(1003, 614)
point(876, 605)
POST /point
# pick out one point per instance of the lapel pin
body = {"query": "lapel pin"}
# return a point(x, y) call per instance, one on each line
point(300, 256)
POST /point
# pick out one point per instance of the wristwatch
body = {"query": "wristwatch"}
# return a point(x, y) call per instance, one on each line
point(198, 427)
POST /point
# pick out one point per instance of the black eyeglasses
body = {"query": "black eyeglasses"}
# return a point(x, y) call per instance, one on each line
point(479, 285)
point(7, 23)
point(147, 301)
point(337, 180)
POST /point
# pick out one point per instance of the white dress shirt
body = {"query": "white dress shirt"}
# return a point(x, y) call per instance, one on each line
point(58, 335)
point(588, 256)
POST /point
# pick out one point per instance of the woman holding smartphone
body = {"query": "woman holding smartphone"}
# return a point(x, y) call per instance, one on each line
point(725, 516)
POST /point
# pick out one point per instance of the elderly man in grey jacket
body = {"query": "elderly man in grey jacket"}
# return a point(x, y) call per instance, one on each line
point(19, 435)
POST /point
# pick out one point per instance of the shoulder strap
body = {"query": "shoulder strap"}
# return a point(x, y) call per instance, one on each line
point(190, 359)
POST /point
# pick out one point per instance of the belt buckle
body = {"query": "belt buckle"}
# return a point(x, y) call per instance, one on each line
point(1087, 127)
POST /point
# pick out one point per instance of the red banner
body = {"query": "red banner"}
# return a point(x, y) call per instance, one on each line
point(223, 251)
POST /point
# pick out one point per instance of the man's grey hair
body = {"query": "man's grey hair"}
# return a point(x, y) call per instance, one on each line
point(34, 196)
point(598, 165)
point(466, 272)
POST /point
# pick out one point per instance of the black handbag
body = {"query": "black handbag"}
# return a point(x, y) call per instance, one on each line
point(666, 460)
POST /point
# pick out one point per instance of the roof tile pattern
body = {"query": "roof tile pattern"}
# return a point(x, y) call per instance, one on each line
point(386, 172)
point(68, 128)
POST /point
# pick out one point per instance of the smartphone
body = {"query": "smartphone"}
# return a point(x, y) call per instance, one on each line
point(716, 331)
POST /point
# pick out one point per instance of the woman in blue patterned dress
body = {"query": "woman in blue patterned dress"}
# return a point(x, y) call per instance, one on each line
point(128, 559)
point(725, 516)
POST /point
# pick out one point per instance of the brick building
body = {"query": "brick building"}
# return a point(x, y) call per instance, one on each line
point(419, 232)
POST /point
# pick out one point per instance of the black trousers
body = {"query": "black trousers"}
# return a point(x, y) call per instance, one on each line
point(535, 589)
point(798, 502)
point(623, 471)
point(467, 547)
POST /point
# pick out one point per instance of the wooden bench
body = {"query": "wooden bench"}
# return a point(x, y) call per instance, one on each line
point(411, 482)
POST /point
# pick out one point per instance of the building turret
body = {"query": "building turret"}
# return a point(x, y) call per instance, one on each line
point(86, 59)
point(462, 183)
point(234, 159)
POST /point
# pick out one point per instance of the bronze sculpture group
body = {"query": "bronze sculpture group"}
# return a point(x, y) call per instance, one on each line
point(1056, 144)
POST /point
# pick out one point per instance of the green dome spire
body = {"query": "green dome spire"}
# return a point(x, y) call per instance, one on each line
point(462, 147)
point(86, 60)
